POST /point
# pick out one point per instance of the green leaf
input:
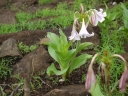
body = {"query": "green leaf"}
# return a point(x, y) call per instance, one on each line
point(79, 61)
point(53, 54)
point(67, 59)
point(53, 38)
point(95, 90)
point(113, 16)
point(63, 37)
point(84, 46)
point(125, 17)
point(52, 70)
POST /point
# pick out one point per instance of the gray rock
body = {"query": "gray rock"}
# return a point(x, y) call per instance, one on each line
point(70, 90)
point(57, 92)
point(9, 48)
point(21, 3)
point(8, 16)
point(75, 90)
point(38, 59)
point(3, 3)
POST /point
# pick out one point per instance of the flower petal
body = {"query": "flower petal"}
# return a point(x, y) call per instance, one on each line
point(124, 77)
point(90, 79)
point(97, 16)
point(74, 34)
point(83, 32)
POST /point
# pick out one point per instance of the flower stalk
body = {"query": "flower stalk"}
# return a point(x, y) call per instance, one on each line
point(105, 72)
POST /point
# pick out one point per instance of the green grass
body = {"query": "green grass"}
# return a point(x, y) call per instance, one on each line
point(41, 2)
point(5, 67)
point(24, 49)
point(112, 37)
point(48, 18)
point(113, 40)
point(44, 18)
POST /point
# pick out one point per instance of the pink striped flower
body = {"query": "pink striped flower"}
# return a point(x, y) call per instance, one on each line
point(97, 16)
point(124, 78)
point(90, 79)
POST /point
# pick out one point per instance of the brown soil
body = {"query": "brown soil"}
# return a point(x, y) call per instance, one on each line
point(25, 37)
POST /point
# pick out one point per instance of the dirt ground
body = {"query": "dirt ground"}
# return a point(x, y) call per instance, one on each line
point(30, 37)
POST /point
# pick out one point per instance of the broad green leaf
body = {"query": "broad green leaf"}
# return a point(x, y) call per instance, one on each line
point(113, 16)
point(53, 38)
point(95, 90)
point(68, 58)
point(53, 46)
point(52, 70)
point(84, 45)
point(79, 61)
point(125, 17)
point(63, 37)
point(53, 54)
point(65, 55)
point(69, 54)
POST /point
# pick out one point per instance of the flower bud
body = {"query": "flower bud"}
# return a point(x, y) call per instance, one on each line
point(124, 78)
point(90, 79)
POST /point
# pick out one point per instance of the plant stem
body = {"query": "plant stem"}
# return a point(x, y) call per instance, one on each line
point(66, 75)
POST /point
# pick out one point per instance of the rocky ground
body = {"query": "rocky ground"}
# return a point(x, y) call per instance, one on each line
point(39, 59)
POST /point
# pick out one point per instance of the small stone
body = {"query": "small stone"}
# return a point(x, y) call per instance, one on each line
point(10, 48)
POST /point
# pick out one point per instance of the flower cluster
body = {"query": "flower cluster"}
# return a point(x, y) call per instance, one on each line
point(91, 78)
point(94, 17)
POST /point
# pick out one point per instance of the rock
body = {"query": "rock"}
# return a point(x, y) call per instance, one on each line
point(31, 37)
point(8, 17)
point(3, 3)
point(76, 90)
point(9, 48)
point(70, 90)
point(44, 40)
point(57, 92)
point(21, 3)
point(39, 60)
point(28, 2)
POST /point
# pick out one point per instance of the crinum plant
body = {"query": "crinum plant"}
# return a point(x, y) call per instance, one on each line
point(105, 60)
point(61, 49)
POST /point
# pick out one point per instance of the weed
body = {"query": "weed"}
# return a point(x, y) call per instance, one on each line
point(83, 78)
point(23, 17)
point(24, 49)
point(41, 2)
point(5, 66)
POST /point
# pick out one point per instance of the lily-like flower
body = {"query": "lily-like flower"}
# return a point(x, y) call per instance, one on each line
point(74, 34)
point(124, 78)
point(97, 16)
point(83, 31)
point(90, 79)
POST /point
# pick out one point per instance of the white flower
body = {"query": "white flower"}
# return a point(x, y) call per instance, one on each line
point(97, 17)
point(74, 34)
point(83, 32)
